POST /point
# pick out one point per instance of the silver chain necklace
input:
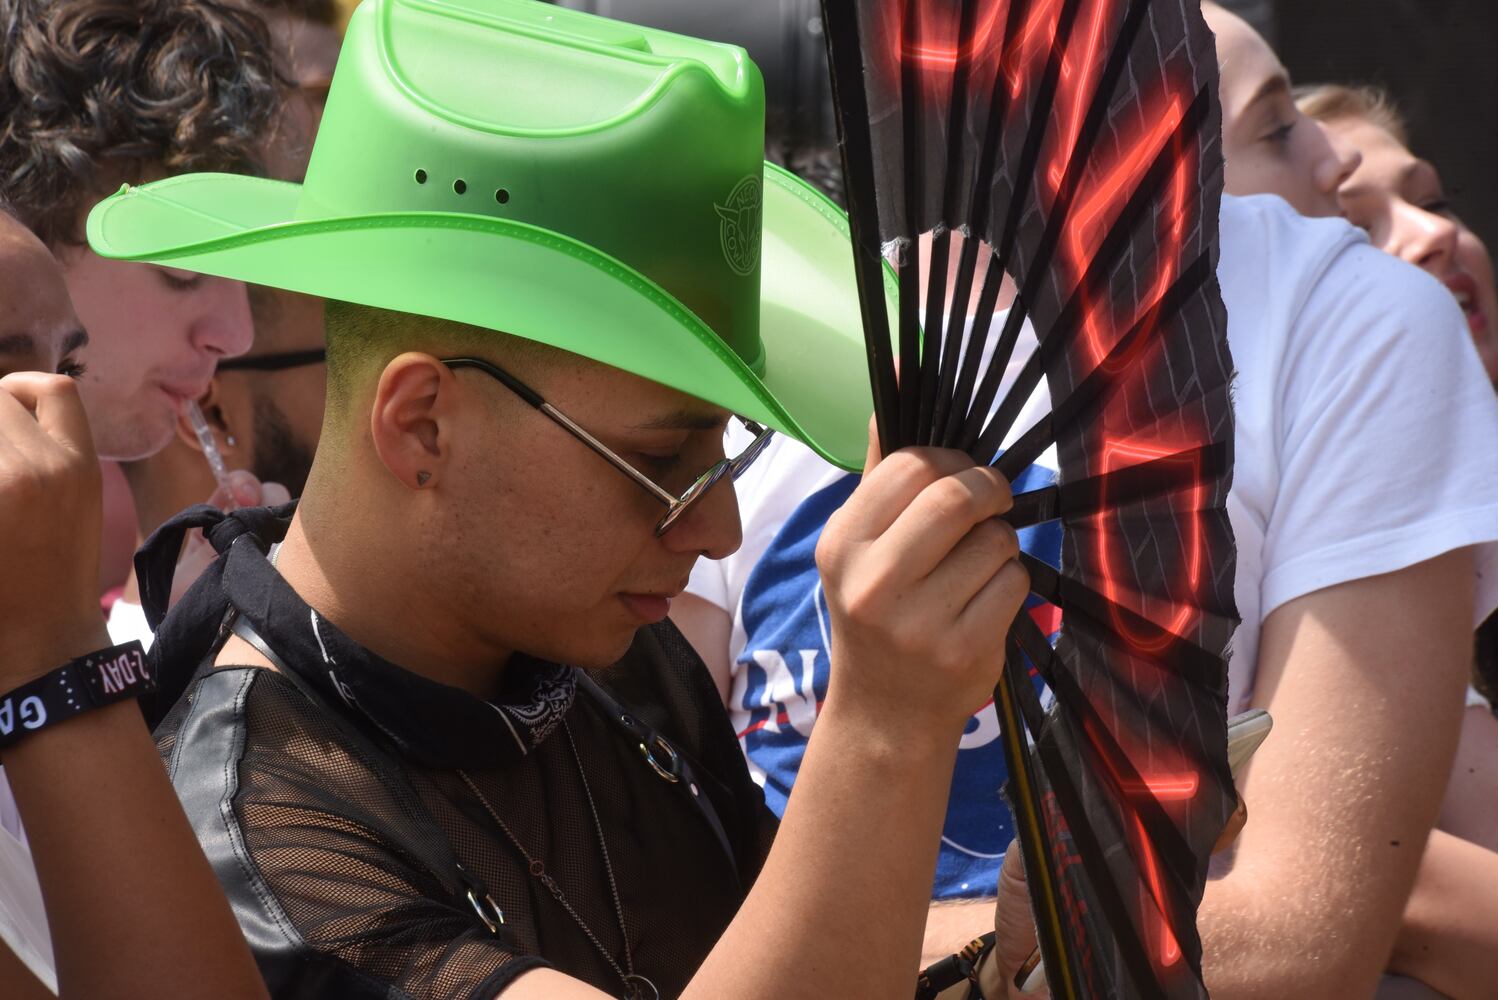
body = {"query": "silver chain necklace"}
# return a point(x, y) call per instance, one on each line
point(636, 986)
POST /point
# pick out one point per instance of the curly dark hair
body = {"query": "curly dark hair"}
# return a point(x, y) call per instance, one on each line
point(98, 92)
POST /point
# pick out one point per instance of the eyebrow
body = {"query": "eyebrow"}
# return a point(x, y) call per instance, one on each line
point(23, 343)
point(685, 420)
point(1272, 87)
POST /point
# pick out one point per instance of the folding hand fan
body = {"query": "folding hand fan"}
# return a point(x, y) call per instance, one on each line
point(1071, 147)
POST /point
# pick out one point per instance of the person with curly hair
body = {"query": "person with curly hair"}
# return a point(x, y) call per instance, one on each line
point(97, 93)
point(94, 94)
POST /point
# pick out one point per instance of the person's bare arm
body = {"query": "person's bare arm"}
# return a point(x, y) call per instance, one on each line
point(1470, 810)
point(133, 907)
point(709, 629)
point(1449, 939)
point(917, 570)
point(1364, 681)
point(20, 983)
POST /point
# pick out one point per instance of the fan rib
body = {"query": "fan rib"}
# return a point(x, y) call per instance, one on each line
point(953, 400)
point(1066, 195)
point(907, 245)
point(934, 389)
point(1120, 772)
point(1098, 272)
point(851, 99)
point(1024, 800)
point(1193, 663)
point(1099, 386)
point(1110, 491)
point(1079, 825)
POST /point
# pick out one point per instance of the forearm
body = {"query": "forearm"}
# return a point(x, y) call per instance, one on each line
point(1343, 796)
point(123, 878)
point(843, 895)
point(1449, 939)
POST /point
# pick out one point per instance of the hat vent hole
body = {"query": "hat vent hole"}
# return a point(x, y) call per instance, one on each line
point(421, 176)
point(502, 196)
point(460, 186)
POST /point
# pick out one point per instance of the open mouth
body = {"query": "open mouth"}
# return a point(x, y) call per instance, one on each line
point(1464, 288)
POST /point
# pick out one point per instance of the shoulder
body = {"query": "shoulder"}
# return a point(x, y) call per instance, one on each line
point(1317, 277)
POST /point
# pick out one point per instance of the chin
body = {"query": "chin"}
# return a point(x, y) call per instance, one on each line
point(597, 651)
point(133, 437)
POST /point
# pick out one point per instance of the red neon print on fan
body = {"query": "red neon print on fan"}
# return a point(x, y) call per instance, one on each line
point(1122, 454)
point(1162, 788)
point(1020, 55)
point(938, 49)
point(1078, 79)
point(1097, 206)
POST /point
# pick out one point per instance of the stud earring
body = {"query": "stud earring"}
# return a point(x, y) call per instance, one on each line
point(230, 441)
point(421, 479)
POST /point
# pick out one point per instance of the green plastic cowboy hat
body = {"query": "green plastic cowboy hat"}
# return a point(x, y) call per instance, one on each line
point(561, 177)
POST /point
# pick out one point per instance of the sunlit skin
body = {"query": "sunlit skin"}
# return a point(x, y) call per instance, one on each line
point(39, 332)
point(521, 538)
point(1269, 145)
point(1398, 199)
point(158, 335)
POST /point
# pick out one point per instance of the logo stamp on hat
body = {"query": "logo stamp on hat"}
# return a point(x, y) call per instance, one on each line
point(739, 225)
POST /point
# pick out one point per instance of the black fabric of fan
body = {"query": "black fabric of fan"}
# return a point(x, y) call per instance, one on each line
point(1062, 160)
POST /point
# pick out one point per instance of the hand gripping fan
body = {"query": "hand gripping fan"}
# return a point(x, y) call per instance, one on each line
point(1062, 161)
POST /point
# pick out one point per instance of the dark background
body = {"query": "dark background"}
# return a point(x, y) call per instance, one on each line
point(1439, 59)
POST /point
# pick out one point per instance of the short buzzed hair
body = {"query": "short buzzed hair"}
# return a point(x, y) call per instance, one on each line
point(362, 340)
point(1330, 102)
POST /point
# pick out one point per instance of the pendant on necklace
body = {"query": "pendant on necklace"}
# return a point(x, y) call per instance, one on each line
point(637, 987)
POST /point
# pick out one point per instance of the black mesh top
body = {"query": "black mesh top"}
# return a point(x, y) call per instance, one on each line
point(330, 799)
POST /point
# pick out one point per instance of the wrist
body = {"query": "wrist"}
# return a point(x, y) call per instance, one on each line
point(84, 684)
point(27, 656)
point(887, 735)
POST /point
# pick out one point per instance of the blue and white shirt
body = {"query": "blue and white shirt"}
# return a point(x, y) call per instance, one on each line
point(779, 657)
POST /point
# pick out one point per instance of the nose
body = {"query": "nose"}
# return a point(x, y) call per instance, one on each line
point(224, 326)
point(1340, 162)
point(1423, 238)
point(711, 528)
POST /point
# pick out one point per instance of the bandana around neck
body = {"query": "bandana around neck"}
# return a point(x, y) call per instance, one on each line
point(434, 724)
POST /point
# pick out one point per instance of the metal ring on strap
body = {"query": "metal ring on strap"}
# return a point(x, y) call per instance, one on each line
point(672, 772)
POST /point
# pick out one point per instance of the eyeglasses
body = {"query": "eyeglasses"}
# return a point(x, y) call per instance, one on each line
point(273, 362)
point(676, 506)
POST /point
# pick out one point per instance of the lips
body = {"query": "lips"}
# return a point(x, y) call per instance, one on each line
point(648, 608)
point(185, 388)
point(651, 606)
point(1464, 288)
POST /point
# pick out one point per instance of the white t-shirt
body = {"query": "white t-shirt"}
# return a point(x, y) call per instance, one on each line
point(1366, 442)
point(1367, 434)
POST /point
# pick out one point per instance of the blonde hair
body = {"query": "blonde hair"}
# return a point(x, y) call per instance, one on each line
point(1330, 102)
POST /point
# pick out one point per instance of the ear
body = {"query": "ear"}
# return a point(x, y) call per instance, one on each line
point(231, 440)
point(411, 404)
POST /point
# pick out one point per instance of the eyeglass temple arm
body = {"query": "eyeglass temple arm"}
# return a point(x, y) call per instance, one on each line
point(535, 399)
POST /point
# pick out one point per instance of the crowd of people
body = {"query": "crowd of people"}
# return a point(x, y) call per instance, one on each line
point(428, 731)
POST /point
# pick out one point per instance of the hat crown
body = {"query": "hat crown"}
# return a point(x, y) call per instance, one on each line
point(644, 145)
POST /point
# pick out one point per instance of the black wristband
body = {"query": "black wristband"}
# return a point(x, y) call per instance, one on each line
point(954, 969)
point(89, 682)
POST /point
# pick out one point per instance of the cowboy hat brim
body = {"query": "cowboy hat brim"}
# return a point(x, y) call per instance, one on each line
point(530, 282)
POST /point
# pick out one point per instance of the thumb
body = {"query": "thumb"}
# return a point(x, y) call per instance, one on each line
point(1014, 925)
point(53, 400)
